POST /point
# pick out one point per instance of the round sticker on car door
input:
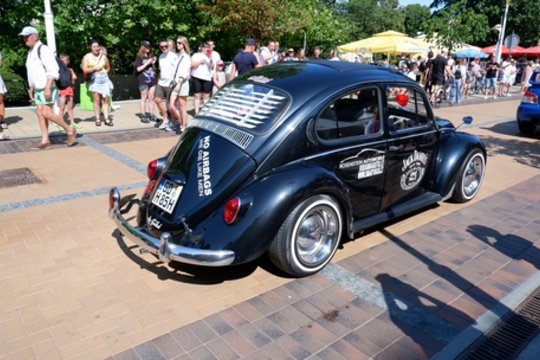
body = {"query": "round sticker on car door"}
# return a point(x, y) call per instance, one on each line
point(413, 170)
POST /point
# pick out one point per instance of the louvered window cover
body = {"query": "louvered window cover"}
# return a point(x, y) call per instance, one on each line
point(248, 106)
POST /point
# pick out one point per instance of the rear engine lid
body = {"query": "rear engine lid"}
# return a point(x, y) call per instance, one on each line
point(201, 173)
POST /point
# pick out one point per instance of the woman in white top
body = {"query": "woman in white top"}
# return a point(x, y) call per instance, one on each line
point(201, 74)
point(181, 90)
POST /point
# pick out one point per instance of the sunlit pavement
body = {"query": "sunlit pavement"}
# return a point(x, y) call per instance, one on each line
point(72, 288)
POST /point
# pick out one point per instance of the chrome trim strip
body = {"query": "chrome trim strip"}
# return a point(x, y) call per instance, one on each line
point(166, 250)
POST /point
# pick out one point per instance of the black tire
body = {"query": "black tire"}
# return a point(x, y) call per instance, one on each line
point(308, 238)
point(526, 128)
point(470, 176)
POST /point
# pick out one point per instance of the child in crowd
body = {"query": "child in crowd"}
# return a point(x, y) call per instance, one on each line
point(220, 77)
point(66, 95)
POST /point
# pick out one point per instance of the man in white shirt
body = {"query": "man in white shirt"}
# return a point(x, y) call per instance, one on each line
point(42, 71)
point(167, 68)
point(268, 53)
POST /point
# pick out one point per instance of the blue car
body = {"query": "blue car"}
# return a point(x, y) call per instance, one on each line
point(528, 112)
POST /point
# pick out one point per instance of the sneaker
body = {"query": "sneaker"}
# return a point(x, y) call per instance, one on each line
point(494, 96)
point(172, 128)
point(164, 125)
point(485, 97)
point(144, 119)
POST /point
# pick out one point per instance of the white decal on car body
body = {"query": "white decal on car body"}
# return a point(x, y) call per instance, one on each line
point(204, 183)
point(413, 170)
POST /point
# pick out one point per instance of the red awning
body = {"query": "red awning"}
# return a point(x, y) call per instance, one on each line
point(518, 50)
point(532, 51)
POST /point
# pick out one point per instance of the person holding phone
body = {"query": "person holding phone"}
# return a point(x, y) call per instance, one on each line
point(492, 67)
point(201, 75)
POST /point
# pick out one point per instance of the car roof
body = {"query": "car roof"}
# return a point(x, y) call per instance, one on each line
point(304, 77)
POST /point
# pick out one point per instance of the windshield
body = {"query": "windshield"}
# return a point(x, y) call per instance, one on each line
point(247, 106)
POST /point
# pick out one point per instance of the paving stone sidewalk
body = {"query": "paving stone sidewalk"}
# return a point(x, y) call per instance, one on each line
point(407, 298)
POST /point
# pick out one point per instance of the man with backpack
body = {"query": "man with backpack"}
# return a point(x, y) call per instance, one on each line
point(43, 71)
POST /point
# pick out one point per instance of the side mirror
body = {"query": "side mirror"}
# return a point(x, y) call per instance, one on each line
point(467, 120)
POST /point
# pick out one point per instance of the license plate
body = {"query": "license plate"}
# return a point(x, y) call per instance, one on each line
point(167, 195)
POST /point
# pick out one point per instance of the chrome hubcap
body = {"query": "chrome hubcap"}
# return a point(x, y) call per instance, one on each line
point(317, 234)
point(472, 176)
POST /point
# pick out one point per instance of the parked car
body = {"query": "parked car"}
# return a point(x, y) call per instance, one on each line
point(289, 158)
point(528, 112)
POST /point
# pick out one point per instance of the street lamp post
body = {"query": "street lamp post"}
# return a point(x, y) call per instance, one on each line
point(498, 51)
point(49, 26)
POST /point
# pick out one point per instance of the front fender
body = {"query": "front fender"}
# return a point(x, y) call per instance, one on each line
point(270, 198)
point(453, 150)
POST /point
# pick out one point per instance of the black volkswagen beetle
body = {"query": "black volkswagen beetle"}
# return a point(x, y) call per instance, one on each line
point(288, 158)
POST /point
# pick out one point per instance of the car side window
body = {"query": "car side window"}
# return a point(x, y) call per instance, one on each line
point(406, 108)
point(355, 114)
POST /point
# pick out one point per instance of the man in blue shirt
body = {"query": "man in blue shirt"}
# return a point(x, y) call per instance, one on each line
point(245, 60)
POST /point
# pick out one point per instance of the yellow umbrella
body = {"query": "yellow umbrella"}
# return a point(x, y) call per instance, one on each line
point(388, 42)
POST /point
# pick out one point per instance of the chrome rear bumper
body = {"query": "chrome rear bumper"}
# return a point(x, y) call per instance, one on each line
point(162, 247)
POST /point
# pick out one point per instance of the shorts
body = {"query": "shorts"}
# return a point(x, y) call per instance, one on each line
point(491, 83)
point(184, 89)
point(435, 89)
point(201, 86)
point(39, 96)
point(143, 87)
point(163, 92)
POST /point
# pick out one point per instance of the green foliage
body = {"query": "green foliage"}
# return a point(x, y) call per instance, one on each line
point(416, 19)
point(523, 18)
point(459, 23)
point(368, 17)
point(122, 24)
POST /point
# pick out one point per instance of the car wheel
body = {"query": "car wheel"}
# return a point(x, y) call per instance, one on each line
point(526, 128)
point(308, 238)
point(470, 177)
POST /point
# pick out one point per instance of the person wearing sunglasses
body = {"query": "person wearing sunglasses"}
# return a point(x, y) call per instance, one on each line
point(167, 66)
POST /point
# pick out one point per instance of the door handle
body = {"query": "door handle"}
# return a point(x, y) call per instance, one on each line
point(396, 147)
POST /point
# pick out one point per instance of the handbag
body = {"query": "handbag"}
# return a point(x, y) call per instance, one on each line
point(90, 78)
point(173, 82)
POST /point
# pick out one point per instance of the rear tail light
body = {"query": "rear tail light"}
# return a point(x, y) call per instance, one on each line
point(151, 169)
point(231, 210)
point(529, 98)
point(149, 187)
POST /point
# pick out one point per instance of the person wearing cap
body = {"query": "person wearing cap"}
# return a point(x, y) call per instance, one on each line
point(245, 60)
point(42, 71)
point(220, 77)
point(145, 69)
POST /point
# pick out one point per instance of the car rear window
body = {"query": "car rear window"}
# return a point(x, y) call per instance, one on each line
point(251, 107)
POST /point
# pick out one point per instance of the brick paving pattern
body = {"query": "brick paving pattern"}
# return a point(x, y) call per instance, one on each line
point(453, 273)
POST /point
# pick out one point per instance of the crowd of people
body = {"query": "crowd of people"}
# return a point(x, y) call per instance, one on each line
point(166, 80)
point(454, 79)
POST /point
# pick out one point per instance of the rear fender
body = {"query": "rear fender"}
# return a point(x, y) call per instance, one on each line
point(455, 148)
point(270, 198)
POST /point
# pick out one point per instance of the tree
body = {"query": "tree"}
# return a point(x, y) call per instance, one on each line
point(416, 19)
point(368, 17)
point(285, 20)
point(458, 23)
point(523, 18)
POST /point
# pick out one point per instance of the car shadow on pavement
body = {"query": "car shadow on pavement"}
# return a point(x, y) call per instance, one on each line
point(416, 313)
point(469, 289)
point(186, 273)
point(510, 128)
point(511, 245)
point(523, 152)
